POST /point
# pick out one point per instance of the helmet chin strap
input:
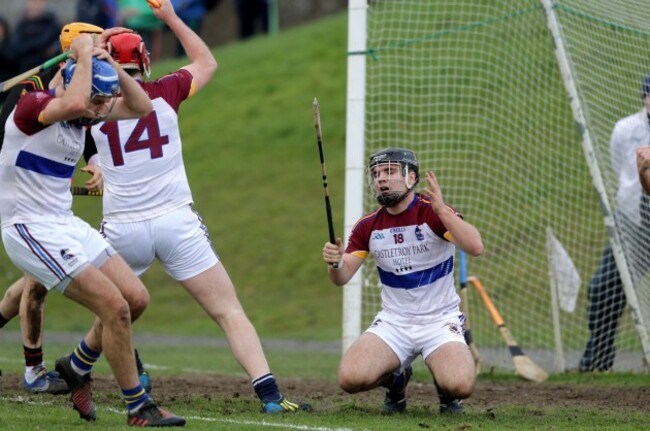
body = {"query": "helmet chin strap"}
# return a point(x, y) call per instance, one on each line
point(391, 199)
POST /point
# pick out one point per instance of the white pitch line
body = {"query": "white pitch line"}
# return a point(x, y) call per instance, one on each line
point(268, 424)
point(22, 400)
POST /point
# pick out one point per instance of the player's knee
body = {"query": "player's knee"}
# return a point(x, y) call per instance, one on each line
point(139, 303)
point(349, 380)
point(347, 384)
point(119, 313)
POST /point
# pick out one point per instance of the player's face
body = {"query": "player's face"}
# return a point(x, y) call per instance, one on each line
point(98, 109)
point(387, 177)
point(646, 102)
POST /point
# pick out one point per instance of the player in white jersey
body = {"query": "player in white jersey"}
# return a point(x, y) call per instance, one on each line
point(148, 203)
point(44, 139)
point(36, 378)
point(412, 238)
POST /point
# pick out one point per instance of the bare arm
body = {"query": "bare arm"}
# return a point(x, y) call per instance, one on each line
point(133, 101)
point(463, 234)
point(203, 64)
point(348, 264)
point(72, 104)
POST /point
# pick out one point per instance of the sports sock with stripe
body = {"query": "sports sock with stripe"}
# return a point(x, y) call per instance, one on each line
point(83, 358)
point(266, 388)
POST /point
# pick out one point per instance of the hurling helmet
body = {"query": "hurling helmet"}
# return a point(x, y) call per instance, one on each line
point(105, 81)
point(130, 52)
point(407, 162)
point(74, 29)
point(406, 158)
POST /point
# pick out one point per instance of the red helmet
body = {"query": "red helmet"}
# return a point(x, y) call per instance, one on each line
point(129, 51)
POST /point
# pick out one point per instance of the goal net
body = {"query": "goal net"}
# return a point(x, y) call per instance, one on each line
point(481, 94)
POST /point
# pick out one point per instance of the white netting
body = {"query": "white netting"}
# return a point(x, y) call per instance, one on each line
point(474, 88)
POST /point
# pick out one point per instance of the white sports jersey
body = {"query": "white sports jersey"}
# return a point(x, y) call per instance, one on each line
point(142, 160)
point(414, 260)
point(629, 134)
point(36, 165)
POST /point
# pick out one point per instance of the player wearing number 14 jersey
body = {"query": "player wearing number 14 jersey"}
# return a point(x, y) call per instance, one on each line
point(147, 199)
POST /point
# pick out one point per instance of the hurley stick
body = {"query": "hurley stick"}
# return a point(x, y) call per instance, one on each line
point(11, 82)
point(328, 206)
point(82, 191)
point(524, 366)
point(464, 307)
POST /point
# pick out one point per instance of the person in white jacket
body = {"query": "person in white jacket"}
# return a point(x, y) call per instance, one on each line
point(606, 296)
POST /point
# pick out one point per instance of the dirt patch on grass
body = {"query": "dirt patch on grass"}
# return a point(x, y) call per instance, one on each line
point(326, 396)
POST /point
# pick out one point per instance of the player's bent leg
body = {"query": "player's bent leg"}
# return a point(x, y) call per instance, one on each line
point(131, 287)
point(10, 303)
point(454, 374)
point(136, 294)
point(96, 292)
point(32, 304)
point(36, 378)
point(367, 364)
point(214, 291)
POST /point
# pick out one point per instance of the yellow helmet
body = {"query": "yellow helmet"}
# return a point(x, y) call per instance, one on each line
point(74, 29)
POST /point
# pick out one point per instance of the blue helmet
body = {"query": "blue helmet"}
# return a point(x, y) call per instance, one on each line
point(105, 81)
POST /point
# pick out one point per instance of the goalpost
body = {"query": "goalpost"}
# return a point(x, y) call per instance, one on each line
point(511, 103)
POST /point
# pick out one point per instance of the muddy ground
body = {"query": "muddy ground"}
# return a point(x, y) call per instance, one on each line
point(327, 396)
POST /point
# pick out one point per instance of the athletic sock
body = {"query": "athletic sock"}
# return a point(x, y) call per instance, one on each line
point(33, 358)
point(83, 358)
point(444, 398)
point(3, 321)
point(134, 398)
point(266, 388)
point(390, 380)
point(138, 362)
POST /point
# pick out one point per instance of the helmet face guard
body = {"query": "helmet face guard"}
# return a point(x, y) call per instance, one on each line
point(130, 52)
point(70, 31)
point(397, 159)
point(96, 117)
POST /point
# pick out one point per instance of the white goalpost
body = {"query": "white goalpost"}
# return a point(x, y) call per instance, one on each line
point(512, 104)
point(354, 156)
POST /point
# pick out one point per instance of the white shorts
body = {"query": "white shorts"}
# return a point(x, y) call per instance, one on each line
point(179, 240)
point(410, 341)
point(55, 253)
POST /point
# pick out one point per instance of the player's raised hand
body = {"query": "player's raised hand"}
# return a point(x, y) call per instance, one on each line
point(433, 191)
point(102, 40)
point(81, 45)
point(162, 9)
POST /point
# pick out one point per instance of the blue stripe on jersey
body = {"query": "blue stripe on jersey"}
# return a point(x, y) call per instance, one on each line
point(417, 279)
point(32, 162)
point(40, 251)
